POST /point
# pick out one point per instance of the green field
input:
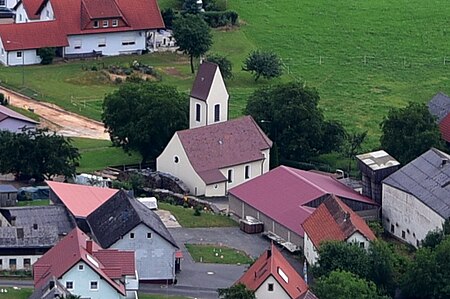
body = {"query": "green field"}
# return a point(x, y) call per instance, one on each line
point(26, 203)
point(364, 57)
point(16, 294)
point(186, 218)
point(98, 154)
point(217, 254)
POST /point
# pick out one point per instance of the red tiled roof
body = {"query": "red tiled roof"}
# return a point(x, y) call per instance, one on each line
point(203, 80)
point(115, 259)
point(71, 250)
point(33, 35)
point(333, 220)
point(98, 9)
point(444, 127)
point(8, 113)
point(272, 263)
point(224, 144)
point(283, 193)
point(81, 200)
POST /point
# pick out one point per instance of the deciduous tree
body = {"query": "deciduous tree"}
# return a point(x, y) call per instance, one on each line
point(224, 64)
point(144, 116)
point(238, 291)
point(192, 35)
point(263, 64)
point(409, 132)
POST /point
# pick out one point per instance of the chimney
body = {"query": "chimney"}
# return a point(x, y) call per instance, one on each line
point(13, 220)
point(89, 246)
point(269, 253)
point(443, 162)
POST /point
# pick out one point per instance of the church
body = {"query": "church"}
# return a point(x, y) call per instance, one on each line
point(215, 154)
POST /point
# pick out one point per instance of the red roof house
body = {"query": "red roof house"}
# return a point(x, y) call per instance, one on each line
point(285, 197)
point(333, 220)
point(271, 276)
point(85, 269)
point(211, 159)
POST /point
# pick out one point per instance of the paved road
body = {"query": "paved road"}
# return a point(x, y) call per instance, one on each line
point(57, 119)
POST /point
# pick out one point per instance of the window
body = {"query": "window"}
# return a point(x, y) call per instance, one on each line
point(392, 228)
point(128, 41)
point(361, 244)
point(77, 44)
point(176, 159)
point(216, 112)
point(247, 171)
point(230, 175)
point(197, 112)
point(105, 23)
point(1, 264)
point(69, 285)
point(48, 14)
point(115, 23)
point(2, 2)
point(3, 51)
point(27, 263)
point(19, 54)
point(95, 24)
point(35, 226)
point(102, 42)
point(131, 235)
point(94, 285)
point(149, 235)
point(20, 17)
point(403, 234)
point(12, 264)
point(270, 287)
point(81, 267)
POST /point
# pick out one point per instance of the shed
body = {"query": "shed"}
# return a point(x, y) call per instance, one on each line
point(8, 196)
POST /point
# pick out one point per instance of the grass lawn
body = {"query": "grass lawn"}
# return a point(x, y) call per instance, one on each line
point(16, 294)
point(25, 112)
point(364, 57)
point(217, 254)
point(152, 296)
point(44, 202)
point(98, 154)
point(186, 218)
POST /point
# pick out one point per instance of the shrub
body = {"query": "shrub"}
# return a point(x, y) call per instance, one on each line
point(118, 80)
point(94, 68)
point(224, 64)
point(197, 211)
point(220, 18)
point(128, 72)
point(47, 55)
point(3, 100)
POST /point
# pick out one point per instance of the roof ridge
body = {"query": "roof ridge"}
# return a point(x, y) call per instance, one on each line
point(293, 172)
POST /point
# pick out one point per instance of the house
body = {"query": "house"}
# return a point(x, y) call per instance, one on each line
point(209, 97)
point(8, 196)
point(416, 198)
point(333, 220)
point(14, 122)
point(117, 221)
point(215, 154)
point(85, 269)
point(6, 14)
point(212, 159)
point(78, 29)
point(285, 197)
point(271, 276)
point(26, 233)
point(439, 106)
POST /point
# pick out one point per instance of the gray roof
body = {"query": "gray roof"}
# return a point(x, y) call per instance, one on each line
point(428, 179)
point(203, 80)
point(7, 189)
point(439, 106)
point(377, 160)
point(120, 214)
point(8, 113)
point(34, 226)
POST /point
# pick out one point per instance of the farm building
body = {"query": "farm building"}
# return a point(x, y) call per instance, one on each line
point(14, 122)
point(416, 198)
point(285, 197)
point(439, 106)
point(8, 196)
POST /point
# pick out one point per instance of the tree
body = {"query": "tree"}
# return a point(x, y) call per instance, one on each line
point(191, 7)
point(192, 35)
point(224, 64)
point(345, 285)
point(352, 145)
point(290, 116)
point(238, 291)
point(384, 267)
point(408, 132)
point(144, 116)
point(262, 63)
point(168, 16)
point(47, 55)
point(336, 255)
point(37, 153)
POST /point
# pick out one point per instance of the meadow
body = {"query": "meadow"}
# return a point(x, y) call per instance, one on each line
point(364, 57)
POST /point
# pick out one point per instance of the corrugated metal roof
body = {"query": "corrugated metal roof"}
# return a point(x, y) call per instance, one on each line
point(7, 189)
point(428, 179)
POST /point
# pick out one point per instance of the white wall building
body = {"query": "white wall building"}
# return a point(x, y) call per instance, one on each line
point(416, 198)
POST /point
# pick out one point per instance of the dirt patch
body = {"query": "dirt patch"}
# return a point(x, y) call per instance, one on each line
point(171, 71)
point(113, 77)
point(167, 218)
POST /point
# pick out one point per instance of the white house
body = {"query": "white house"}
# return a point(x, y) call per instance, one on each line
point(14, 122)
point(215, 154)
point(85, 269)
point(79, 28)
point(333, 220)
point(416, 198)
point(209, 97)
point(271, 276)
point(212, 159)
